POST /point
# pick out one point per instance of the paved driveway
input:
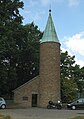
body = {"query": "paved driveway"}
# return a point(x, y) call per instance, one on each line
point(39, 113)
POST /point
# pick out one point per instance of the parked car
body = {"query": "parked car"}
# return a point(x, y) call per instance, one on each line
point(79, 103)
point(2, 103)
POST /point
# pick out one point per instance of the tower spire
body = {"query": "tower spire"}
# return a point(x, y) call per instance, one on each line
point(50, 12)
point(49, 32)
point(50, 9)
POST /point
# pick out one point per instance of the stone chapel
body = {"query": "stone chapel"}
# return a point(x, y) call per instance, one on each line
point(45, 87)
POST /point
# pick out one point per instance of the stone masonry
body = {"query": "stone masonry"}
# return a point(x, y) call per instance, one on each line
point(26, 91)
point(49, 73)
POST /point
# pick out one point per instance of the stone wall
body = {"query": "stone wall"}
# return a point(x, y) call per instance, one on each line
point(23, 94)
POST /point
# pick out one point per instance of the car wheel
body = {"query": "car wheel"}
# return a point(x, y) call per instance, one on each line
point(73, 107)
point(3, 106)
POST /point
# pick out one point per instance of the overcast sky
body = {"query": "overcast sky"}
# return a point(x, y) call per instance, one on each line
point(68, 18)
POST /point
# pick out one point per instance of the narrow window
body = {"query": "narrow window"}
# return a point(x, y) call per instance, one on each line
point(25, 98)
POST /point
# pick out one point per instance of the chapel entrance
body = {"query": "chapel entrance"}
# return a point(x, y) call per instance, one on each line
point(34, 100)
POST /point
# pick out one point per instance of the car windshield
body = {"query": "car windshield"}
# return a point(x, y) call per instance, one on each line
point(80, 100)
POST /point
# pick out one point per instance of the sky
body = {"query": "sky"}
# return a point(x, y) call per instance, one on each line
point(68, 18)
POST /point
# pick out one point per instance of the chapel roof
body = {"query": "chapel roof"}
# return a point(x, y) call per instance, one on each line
point(49, 32)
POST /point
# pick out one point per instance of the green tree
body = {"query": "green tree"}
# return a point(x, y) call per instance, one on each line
point(79, 79)
point(19, 47)
point(28, 60)
point(69, 90)
point(10, 23)
point(68, 84)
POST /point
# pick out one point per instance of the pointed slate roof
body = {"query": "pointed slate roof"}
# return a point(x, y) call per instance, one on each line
point(49, 32)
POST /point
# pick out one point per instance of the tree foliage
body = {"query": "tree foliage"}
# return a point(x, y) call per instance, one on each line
point(19, 47)
point(28, 62)
point(72, 80)
point(79, 79)
point(10, 23)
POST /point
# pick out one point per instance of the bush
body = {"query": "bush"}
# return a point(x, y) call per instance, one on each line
point(78, 117)
point(4, 117)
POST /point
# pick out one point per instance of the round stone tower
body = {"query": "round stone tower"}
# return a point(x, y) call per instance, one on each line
point(49, 89)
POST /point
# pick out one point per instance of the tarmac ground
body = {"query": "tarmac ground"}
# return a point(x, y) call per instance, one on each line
point(40, 113)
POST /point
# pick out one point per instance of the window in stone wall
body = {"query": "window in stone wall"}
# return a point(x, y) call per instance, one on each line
point(24, 98)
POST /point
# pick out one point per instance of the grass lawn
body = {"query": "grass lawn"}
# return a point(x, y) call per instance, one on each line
point(4, 117)
point(79, 117)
